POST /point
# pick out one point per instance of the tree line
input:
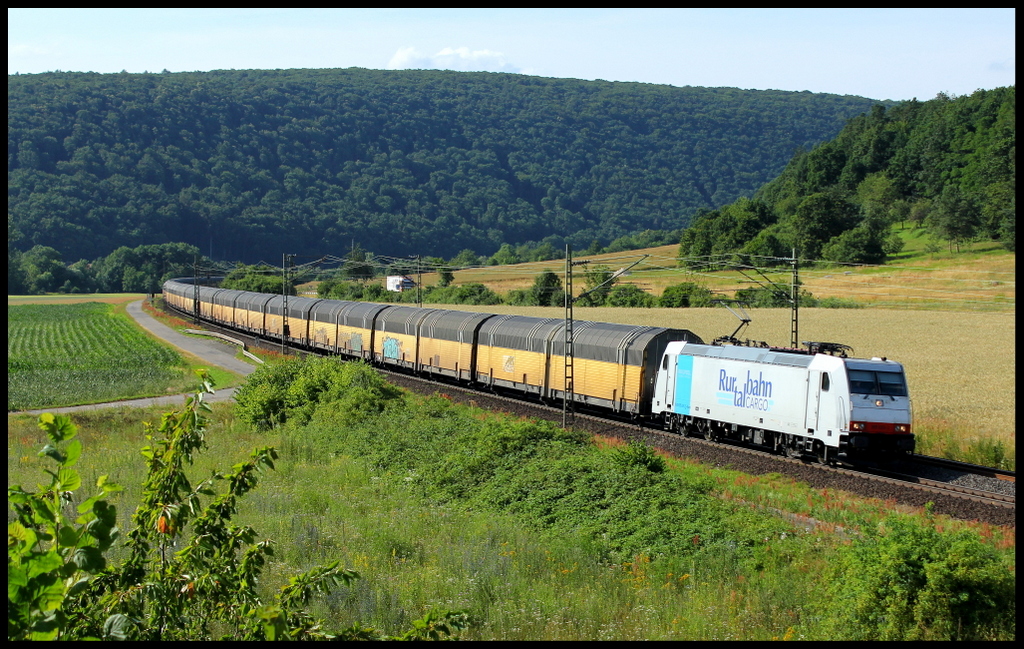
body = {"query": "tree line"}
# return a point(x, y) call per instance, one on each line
point(246, 165)
point(142, 269)
point(947, 165)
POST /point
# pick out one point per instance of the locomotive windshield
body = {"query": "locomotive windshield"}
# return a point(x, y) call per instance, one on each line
point(870, 382)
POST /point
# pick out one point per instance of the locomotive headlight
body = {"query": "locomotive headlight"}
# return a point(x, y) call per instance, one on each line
point(879, 402)
point(856, 425)
point(902, 428)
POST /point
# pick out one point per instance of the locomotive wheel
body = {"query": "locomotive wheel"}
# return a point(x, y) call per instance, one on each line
point(821, 453)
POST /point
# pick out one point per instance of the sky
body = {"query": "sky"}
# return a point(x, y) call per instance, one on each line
point(876, 53)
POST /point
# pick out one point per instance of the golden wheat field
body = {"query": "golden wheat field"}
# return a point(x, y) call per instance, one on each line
point(983, 280)
point(75, 298)
point(960, 366)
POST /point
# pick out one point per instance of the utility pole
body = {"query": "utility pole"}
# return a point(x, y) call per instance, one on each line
point(419, 282)
point(567, 392)
point(195, 289)
point(285, 261)
point(567, 386)
point(795, 297)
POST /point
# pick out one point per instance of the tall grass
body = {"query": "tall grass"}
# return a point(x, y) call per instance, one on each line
point(517, 583)
point(567, 541)
point(368, 495)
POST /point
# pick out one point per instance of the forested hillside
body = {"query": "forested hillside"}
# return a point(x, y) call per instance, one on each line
point(948, 164)
point(247, 165)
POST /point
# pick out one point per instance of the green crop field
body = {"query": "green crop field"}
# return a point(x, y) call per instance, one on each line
point(70, 354)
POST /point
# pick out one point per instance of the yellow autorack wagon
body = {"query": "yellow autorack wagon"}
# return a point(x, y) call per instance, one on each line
point(323, 324)
point(206, 305)
point(250, 309)
point(224, 305)
point(356, 332)
point(299, 321)
point(447, 343)
point(396, 335)
point(179, 294)
point(513, 352)
point(614, 365)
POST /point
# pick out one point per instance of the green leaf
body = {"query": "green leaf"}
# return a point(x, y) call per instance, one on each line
point(69, 479)
point(43, 563)
point(86, 506)
point(89, 559)
point(117, 627)
point(17, 495)
point(274, 626)
point(73, 451)
point(52, 451)
point(19, 532)
point(78, 586)
point(49, 626)
point(42, 511)
point(67, 537)
point(57, 427)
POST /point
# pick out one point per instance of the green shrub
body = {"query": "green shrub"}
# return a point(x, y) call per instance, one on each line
point(640, 455)
point(835, 303)
point(687, 294)
point(262, 398)
point(293, 389)
point(629, 295)
point(190, 572)
point(908, 581)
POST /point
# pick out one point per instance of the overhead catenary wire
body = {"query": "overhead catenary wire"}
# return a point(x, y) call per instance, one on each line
point(720, 268)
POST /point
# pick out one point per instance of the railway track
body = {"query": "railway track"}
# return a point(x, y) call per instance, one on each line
point(941, 462)
point(907, 487)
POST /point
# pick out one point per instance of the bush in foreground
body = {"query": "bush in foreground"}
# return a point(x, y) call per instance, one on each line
point(190, 573)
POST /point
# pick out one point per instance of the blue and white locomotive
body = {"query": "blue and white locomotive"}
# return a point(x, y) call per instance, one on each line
point(814, 404)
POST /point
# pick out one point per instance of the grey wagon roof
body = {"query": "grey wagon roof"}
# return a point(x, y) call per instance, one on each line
point(452, 325)
point(361, 314)
point(252, 301)
point(618, 343)
point(178, 287)
point(602, 341)
point(402, 319)
point(519, 332)
point(227, 297)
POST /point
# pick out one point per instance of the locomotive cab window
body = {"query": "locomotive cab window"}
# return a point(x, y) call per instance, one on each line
point(825, 382)
point(869, 382)
point(892, 383)
point(664, 362)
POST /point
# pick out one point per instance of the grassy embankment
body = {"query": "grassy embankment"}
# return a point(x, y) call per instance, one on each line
point(73, 350)
point(540, 534)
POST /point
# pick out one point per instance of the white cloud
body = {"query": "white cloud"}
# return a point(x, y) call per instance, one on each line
point(408, 58)
point(460, 58)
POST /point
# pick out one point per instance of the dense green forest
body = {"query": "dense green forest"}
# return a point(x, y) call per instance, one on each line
point(247, 165)
point(948, 164)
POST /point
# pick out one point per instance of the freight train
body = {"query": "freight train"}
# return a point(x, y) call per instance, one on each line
point(797, 402)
